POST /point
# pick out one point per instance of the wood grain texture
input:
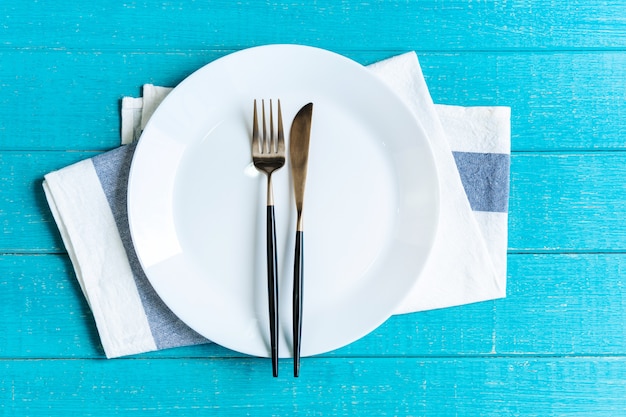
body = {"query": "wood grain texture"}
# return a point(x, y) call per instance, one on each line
point(568, 202)
point(374, 25)
point(556, 305)
point(327, 386)
point(556, 345)
point(560, 101)
point(27, 222)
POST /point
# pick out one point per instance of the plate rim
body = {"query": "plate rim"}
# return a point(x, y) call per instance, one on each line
point(189, 79)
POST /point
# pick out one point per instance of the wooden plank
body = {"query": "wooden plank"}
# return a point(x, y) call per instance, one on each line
point(27, 221)
point(49, 106)
point(559, 202)
point(559, 101)
point(556, 305)
point(44, 313)
point(568, 202)
point(384, 386)
point(433, 25)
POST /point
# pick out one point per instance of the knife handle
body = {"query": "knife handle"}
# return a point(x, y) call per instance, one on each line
point(272, 286)
point(298, 274)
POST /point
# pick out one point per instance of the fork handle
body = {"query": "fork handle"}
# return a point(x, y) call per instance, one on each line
point(272, 286)
point(298, 274)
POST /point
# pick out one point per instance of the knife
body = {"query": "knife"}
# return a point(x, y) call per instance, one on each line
point(299, 156)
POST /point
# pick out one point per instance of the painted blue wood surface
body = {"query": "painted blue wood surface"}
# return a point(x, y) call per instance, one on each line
point(555, 346)
point(560, 100)
point(404, 386)
point(556, 305)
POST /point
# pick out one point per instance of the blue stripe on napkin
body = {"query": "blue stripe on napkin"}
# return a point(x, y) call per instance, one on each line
point(485, 177)
point(167, 329)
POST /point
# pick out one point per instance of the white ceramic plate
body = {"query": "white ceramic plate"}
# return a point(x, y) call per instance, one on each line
point(197, 204)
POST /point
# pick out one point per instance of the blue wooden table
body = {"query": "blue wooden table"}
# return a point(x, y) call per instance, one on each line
point(556, 345)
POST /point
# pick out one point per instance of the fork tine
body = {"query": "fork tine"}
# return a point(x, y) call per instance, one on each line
point(271, 145)
point(255, 130)
point(264, 142)
point(281, 136)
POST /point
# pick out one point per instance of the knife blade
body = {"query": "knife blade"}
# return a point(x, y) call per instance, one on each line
point(299, 139)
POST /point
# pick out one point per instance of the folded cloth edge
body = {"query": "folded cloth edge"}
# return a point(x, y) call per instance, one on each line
point(459, 266)
point(103, 271)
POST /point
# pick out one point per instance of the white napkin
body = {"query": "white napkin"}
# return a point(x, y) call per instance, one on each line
point(472, 152)
point(467, 264)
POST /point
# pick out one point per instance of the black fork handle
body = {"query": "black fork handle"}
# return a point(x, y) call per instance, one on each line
point(272, 286)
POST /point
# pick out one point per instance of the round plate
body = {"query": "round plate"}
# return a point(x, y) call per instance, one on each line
point(196, 203)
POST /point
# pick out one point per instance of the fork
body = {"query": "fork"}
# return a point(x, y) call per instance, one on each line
point(268, 155)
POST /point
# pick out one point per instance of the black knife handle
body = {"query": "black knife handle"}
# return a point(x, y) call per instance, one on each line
point(298, 274)
point(272, 286)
